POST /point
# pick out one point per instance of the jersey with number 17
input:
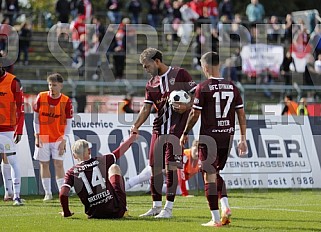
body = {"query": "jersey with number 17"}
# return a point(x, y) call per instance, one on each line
point(217, 99)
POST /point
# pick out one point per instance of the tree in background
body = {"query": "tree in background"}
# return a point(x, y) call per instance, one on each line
point(272, 7)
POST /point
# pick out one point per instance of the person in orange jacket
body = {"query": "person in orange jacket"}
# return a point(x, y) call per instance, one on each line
point(53, 114)
point(11, 127)
point(191, 166)
point(290, 107)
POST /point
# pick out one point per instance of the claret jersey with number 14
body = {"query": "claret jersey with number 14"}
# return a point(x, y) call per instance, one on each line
point(90, 179)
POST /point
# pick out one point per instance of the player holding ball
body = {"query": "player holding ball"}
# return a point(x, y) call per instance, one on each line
point(165, 150)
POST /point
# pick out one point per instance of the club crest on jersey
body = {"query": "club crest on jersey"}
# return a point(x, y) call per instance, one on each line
point(7, 147)
point(172, 81)
point(191, 83)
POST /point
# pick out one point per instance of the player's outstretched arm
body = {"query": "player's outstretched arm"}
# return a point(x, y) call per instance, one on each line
point(142, 116)
point(64, 201)
point(123, 147)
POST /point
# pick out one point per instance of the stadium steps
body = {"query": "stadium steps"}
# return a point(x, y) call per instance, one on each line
point(42, 62)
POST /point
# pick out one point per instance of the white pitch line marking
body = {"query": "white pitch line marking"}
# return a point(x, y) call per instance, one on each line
point(277, 209)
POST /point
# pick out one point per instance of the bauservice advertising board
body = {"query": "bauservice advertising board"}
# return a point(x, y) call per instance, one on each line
point(284, 152)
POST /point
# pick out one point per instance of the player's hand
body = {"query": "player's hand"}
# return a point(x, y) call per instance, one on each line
point(183, 140)
point(17, 138)
point(62, 147)
point(179, 107)
point(66, 215)
point(242, 147)
point(38, 142)
point(134, 130)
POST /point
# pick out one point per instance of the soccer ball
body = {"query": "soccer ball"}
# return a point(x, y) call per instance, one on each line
point(179, 96)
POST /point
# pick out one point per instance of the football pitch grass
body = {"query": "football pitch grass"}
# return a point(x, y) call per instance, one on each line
point(252, 210)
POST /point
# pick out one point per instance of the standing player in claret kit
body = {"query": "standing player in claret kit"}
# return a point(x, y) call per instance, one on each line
point(168, 124)
point(217, 100)
point(190, 168)
point(11, 125)
point(52, 123)
point(98, 182)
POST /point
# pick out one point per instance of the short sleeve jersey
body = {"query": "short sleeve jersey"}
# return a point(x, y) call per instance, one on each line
point(157, 92)
point(217, 99)
point(92, 185)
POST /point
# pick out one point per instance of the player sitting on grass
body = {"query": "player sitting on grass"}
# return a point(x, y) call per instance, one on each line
point(98, 182)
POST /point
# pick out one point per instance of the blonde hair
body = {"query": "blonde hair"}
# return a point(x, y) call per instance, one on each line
point(150, 54)
point(79, 148)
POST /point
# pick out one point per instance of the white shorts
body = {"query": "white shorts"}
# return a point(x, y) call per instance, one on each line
point(7, 144)
point(43, 153)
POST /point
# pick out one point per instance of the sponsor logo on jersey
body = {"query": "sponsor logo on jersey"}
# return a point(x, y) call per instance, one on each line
point(51, 115)
point(229, 130)
point(161, 100)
